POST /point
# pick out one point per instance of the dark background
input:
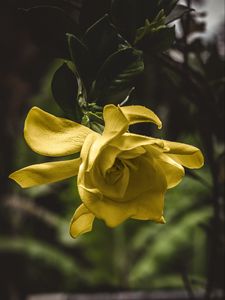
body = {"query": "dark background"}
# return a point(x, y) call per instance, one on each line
point(187, 91)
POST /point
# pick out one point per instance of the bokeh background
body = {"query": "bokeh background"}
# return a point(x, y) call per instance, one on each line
point(186, 89)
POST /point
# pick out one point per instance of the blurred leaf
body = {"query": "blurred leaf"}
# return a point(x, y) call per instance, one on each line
point(158, 41)
point(39, 250)
point(65, 90)
point(155, 36)
point(170, 241)
point(102, 40)
point(197, 177)
point(117, 74)
point(178, 12)
point(150, 27)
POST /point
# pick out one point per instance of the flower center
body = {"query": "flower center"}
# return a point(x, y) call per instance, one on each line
point(115, 172)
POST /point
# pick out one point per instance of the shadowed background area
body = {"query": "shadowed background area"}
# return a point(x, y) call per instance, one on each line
point(185, 87)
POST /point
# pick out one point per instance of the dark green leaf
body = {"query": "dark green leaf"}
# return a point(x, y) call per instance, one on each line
point(178, 12)
point(65, 90)
point(102, 40)
point(158, 41)
point(81, 58)
point(117, 75)
point(150, 27)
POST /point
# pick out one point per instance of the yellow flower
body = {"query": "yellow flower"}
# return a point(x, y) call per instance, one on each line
point(120, 175)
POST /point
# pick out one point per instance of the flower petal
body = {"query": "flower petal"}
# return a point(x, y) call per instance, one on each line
point(139, 114)
point(186, 155)
point(151, 181)
point(117, 120)
point(150, 206)
point(112, 212)
point(130, 141)
point(81, 222)
point(46, 173)
point(52, 136)
point(173, 171)
point(147, 206)
point(145, 176)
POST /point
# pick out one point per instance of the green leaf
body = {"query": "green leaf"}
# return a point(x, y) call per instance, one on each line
point(150, 27)
point(158, 41)
point(65, 90)
point(129, 15)
point(36, 249)
point(178, 12)
point(102, 39)
point(81, 58)
point(155, 36)
point(117, 75)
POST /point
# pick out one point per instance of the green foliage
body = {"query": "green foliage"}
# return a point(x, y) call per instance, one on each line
point(65, 91)
point(117, 75)
point(81, 58)
point(106, 64)
point(155, 36)
point(129, 21)
point(35, 249)
point(102, 39)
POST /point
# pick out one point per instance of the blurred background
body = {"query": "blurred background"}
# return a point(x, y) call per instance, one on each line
point(185, 87)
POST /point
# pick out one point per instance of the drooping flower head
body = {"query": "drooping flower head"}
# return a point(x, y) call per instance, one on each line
point(120, 175)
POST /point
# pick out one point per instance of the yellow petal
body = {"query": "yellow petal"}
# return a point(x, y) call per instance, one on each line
point(81, 222)
point(104, 176)
point(111, 212)
point(52, 136)
point(46, 173)
point(186, 155)
point(173, 171)
point(150, 206)
point(130, 141)
point(144, 179)
point(107, 159)
point(147, 206)
point(145, 175)
point(138, 114)
point(113, 185)
point(116, 122)
point(117, 119)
